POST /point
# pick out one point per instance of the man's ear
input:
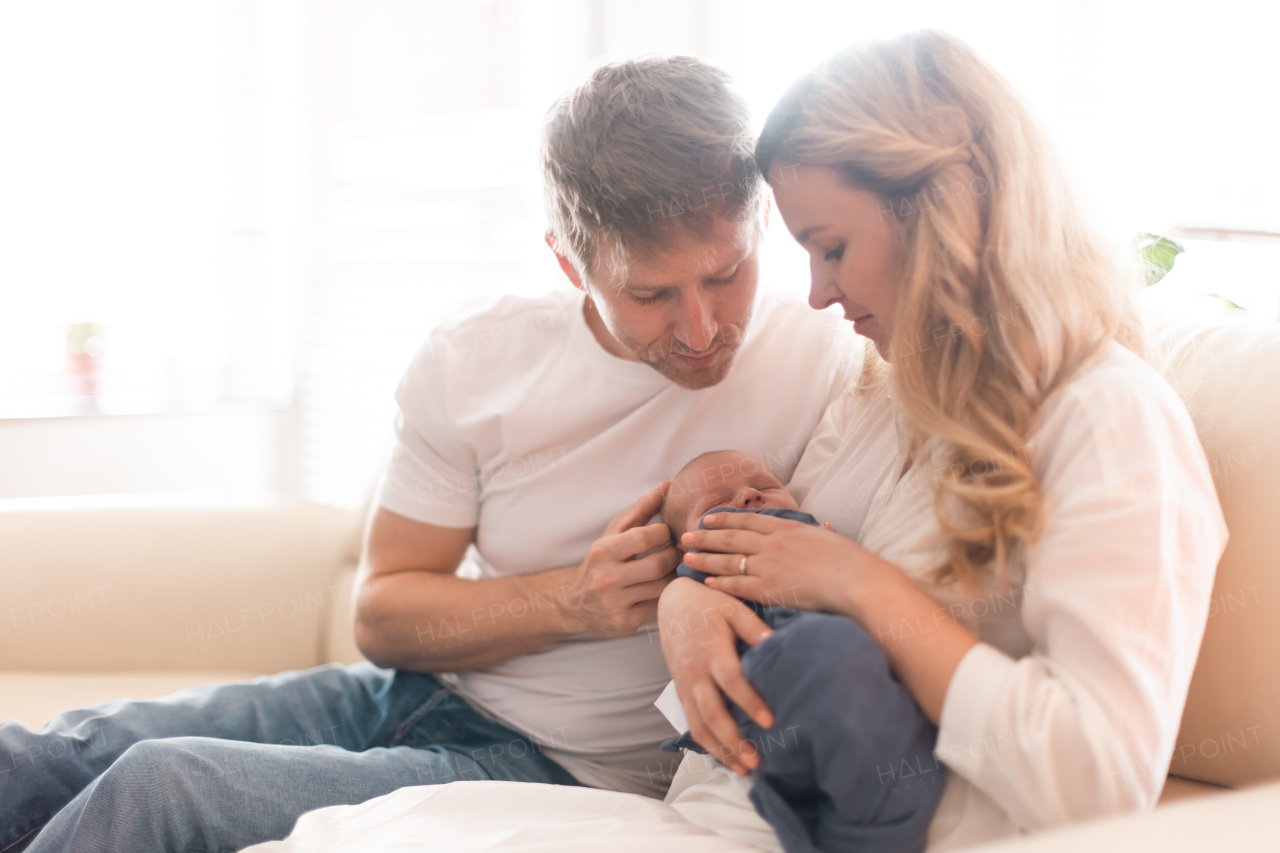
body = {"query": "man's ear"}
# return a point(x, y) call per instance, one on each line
point(565, 264)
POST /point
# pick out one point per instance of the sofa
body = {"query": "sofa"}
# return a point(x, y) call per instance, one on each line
point(112, 597)
point(103, 598)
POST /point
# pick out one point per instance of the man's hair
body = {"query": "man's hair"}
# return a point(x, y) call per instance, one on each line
point(643, 151)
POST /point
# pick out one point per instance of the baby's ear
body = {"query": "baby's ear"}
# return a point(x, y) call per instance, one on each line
point(675, 540)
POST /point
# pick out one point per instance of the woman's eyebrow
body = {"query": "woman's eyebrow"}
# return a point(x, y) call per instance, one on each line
point(803, 236)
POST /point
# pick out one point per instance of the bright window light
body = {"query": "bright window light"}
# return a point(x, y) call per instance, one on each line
point(1163, 114)
point(211, 204)
point(131, 233)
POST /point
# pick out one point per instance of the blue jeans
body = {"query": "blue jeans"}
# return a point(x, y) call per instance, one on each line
point(220, 767)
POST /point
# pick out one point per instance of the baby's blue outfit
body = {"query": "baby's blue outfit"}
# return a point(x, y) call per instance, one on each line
point(848, 764)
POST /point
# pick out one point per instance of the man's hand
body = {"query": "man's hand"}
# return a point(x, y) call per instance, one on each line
point(612, 593)
point(699, 627)
point(413, 612)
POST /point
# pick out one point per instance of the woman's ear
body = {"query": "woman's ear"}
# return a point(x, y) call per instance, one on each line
point(566, 265)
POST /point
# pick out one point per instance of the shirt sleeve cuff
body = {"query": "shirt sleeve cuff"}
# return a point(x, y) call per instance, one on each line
point(970, 708)
point(421, 508)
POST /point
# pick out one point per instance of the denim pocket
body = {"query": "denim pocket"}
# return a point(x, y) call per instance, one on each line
point(434, 721)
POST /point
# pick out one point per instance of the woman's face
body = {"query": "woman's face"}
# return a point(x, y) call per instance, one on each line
point(854, 244)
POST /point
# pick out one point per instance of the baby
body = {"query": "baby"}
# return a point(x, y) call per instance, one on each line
point(726, 481)
point(837, 708)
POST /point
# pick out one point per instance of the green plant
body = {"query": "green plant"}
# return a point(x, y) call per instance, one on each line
point(1157, 254)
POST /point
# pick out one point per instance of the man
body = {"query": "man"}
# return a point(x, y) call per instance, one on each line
point(522, 430)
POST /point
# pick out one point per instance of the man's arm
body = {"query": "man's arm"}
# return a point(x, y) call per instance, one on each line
point(412, 612)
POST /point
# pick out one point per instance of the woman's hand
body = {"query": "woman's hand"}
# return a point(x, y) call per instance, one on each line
point(812, 568)
point(789, 563)
point(699, 628)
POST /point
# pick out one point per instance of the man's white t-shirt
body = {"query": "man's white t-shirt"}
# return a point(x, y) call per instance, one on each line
point(518, 422)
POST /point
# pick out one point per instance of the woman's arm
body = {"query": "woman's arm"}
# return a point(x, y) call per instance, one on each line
point(926, 669)
point(816, 569)
point(1114, 605)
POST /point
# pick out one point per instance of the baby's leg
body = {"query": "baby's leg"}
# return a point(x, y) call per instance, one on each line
point(849, 762)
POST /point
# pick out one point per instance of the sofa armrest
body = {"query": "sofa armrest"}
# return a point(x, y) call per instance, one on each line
point(1237, 820)
point(87, 588)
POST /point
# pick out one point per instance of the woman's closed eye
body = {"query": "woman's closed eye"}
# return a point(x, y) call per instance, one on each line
point(835, 254)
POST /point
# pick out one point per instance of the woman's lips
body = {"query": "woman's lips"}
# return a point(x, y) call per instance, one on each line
point(863, 320)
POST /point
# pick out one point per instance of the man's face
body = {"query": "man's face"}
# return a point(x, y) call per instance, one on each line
point(684, 310)
point(725, 478)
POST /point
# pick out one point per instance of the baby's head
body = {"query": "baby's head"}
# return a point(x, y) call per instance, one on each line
point(721, 478)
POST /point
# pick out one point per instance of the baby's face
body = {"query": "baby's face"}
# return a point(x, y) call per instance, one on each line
point(724, 478)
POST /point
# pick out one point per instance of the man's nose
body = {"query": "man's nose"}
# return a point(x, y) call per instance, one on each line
point(746, 498)
point(697, 326)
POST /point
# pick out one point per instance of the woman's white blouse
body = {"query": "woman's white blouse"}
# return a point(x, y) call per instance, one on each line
point(1069, 707)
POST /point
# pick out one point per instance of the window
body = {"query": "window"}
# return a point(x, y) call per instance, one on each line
point(1163, 116)
point(222, 204)
point(1222, 275)
point(427, 201)
point(136, 239)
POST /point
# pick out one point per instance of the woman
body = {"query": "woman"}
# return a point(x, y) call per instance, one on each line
point(1038, 559)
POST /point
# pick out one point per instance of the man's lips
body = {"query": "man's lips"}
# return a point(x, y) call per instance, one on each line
point(700, 360)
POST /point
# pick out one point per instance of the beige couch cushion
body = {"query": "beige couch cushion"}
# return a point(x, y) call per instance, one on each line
point(1176, 790)
point(1229, 376)
point(339, 636)
point(97, 588)
point(33, 697)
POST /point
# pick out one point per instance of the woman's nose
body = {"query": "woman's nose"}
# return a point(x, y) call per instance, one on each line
point(822, 288)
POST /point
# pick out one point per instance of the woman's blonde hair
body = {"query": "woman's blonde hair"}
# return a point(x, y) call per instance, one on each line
point(1006, 290)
